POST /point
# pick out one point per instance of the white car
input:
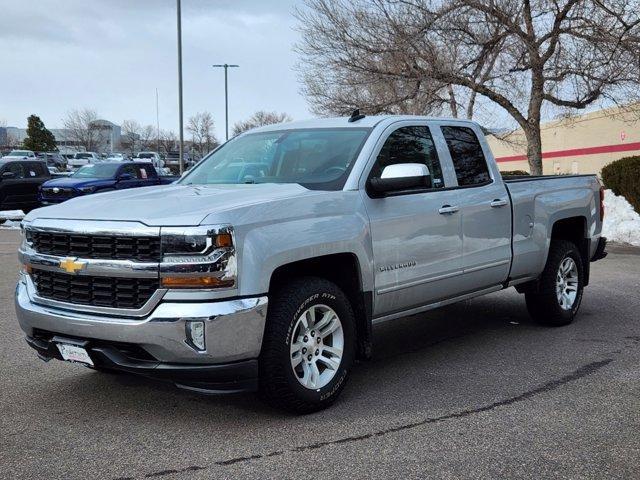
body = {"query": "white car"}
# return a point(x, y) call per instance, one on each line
point(153, 157)
point(117, 157)
point(21, 154)
point(84, 158)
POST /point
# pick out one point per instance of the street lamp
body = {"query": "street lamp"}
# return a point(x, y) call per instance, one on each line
point(180, 114)
point(226, 67)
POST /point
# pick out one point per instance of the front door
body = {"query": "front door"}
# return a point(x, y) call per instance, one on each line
point(416, 234)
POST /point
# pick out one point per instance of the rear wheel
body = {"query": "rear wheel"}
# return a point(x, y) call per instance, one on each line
point(559, 295)
point(308, 348)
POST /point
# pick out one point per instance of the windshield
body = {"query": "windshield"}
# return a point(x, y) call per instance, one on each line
point(20, 153)
point(318, 159)
point(103, 170)
point(146, 155)
point(84, 155)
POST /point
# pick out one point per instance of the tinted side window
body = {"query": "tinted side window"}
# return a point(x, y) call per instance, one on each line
point(145, 172)
point(16, 168)
point(130, 169)
point(466, 153)
point(410, 145)
point(37, 169)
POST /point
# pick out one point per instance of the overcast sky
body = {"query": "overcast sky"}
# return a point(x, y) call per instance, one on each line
point(111, 55)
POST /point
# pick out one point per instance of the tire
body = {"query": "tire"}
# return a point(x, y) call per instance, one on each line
point(281, 383)
point(546, 305)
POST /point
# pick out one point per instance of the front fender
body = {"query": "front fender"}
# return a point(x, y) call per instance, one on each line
point(267, 247)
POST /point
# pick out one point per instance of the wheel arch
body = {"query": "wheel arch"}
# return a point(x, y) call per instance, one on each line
point(574, 230)
point(345, 271)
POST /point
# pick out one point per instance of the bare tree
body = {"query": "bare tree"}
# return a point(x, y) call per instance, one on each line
point(130, 131)
point(80, 129)
point(201, 127)
point(148, 139)
point(259, 119)
point(168, 141)
point(435, 54)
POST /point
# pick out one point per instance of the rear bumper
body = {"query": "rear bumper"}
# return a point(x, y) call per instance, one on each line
point(157, 345)
point(600, 252)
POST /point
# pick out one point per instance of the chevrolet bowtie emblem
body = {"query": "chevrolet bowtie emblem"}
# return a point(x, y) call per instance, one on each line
point(71, 265)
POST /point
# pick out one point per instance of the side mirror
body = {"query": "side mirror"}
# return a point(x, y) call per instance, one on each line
point(125, 176)
point(399, 177)
point(7, 175)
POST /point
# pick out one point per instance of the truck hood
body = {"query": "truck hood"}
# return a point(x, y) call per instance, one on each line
point(171, 205)
point(73, 182)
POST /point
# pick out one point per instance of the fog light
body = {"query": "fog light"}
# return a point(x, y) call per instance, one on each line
point(195, 335)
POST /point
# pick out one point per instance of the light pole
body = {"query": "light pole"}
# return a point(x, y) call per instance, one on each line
point(226, 67)
point(179, 14)
point(157, 125)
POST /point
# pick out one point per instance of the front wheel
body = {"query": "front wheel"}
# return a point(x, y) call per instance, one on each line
point(308, 348)
point(559, 295)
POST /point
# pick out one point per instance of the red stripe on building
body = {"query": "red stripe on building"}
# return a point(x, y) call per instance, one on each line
point(577, 152)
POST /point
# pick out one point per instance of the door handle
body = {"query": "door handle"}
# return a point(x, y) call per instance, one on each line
point(498, 203)
point(447, 209)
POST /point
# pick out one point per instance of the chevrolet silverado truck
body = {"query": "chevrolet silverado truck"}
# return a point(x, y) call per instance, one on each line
point(266, 265)
point(99, 178)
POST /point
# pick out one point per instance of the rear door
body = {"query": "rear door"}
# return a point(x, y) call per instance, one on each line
point(417, 244)
point(485, 210)
point(36, 174)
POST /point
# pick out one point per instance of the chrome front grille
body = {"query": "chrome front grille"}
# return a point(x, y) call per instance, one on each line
point(113, 247)
point(113, 292)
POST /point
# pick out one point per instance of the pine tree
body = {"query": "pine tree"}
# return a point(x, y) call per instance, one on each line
point(39, 139)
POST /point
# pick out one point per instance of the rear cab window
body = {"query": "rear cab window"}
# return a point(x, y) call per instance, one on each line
point(467, 156)
point(36, 169)
point(145, 172)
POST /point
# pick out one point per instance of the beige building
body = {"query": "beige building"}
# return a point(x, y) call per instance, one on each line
point(576, 144)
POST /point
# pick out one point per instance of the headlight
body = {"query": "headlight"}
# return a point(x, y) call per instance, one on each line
point(25, 244)
point(25, 239)
point(198, 257)
point(87, 189)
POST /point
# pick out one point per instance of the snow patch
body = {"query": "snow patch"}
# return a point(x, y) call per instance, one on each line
point(621, 221)
point(10, 219)
point(10, 225)
point(11, 215)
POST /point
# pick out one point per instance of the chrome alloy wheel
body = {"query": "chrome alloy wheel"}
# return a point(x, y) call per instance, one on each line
point(317, 344)
point(567, 283)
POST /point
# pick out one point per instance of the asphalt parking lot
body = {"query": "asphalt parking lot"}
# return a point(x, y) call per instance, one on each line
point(475, 390)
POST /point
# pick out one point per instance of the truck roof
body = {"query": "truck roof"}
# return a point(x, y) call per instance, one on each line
point(343, 122)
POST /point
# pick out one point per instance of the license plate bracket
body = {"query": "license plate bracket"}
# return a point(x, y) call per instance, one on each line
point(73, 351)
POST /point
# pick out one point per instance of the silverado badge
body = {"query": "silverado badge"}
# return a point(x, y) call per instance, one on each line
point(71, 265)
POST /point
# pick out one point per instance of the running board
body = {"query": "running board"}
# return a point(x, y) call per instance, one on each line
point(431, 306)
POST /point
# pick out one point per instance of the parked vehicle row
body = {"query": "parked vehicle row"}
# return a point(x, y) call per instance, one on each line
point(29, 184)
point(101, 177)
point(266, 265)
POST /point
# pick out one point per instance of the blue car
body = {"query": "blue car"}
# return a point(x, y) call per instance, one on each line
point(101, 177)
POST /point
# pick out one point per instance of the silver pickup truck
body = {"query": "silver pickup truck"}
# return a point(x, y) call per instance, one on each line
point(266, 265)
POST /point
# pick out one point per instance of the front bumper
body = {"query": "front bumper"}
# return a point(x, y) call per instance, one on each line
point(233, 332)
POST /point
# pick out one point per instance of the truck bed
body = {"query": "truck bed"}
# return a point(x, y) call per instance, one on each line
point(537, 203)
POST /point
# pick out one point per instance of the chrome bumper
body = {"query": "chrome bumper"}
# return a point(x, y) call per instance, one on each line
point(233, 328)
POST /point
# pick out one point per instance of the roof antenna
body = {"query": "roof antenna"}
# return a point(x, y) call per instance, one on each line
point(356, 115)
